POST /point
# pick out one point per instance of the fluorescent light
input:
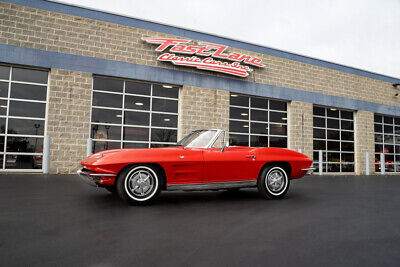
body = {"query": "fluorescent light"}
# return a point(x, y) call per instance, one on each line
point(139, 104)
point(167, 119)
point(118, 116)
point(245, 126)
point(2, 106)
point(233, 95)
point(167, 86)
point(284, 119)
point(244, 114)
point(333, 109)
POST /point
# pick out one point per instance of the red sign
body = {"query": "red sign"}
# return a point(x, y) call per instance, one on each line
point(207, 52)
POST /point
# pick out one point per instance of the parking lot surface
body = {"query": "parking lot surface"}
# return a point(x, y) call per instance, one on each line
point(324, 221)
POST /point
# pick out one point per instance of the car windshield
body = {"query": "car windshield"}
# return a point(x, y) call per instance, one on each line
point(198, 139)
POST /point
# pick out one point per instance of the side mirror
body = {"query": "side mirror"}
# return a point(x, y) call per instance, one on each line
point(225, 146)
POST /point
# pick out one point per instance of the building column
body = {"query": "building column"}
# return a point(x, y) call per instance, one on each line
point(201, 108)
point(364, 141)
point(68, 119)
point(300, 127)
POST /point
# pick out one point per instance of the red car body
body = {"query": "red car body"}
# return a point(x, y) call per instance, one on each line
point(196, 165)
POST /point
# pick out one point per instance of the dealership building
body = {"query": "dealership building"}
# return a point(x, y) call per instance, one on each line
point(74, 81)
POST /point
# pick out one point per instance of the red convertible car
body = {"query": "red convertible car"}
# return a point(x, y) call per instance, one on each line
point(200, 161)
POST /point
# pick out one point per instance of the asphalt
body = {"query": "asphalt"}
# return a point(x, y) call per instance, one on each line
point(324, 221)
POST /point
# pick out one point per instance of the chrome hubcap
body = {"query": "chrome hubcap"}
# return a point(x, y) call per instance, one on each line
point(140, 183)
point(275, 180)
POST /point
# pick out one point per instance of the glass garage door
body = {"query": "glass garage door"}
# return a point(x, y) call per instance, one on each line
point(133, 114)
point(23, 95)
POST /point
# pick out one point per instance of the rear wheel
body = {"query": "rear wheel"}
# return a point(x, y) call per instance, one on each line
point(139, 184)
point(273, 182)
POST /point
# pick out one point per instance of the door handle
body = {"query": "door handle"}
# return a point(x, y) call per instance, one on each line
point(251, 157)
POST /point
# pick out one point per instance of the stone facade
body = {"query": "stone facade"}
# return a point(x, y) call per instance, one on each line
point(300, 127)
point(202, 108)
point(364, 141)
point(69, 104)
point(68, 118)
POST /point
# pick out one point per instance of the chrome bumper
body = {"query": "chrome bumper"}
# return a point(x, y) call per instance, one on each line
point(309, 170)
point(90, 178)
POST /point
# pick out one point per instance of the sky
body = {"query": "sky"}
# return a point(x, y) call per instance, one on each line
point(359, 33)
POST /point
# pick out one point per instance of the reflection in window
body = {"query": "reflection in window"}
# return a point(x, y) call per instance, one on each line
point(387, 141)
point(132, 114)
point(257, 122)
point(333, 134)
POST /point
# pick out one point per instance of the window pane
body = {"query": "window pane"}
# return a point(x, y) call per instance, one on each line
point(106, 132)
point(136, 134)
point(239, 100)
point(137, 88)
point(165, 91)
point(333, 167)
point(258, 141)
point(4, 74)
point(24, 144)
point(378, 118)
point(259, 115)
point(277, 117)
point(107, 100)
point(333, 113)
point(239, 113)
point(23, 162)
point(277, 129)
point(3, 89)
point(165, 105)
point(347, 157)
point(388, 129)
point(1, 147)
point(378, 128)
point(333, 157)
point(347, 146)
point(319, 122)
point(319, 133)
point(388, 120)
point(2, 127)
point(136, 118)
point(104, 84)
point(238, 126)
point(347, 125)
point(331, 134)
point(319, 145)
point(318, 111)
point(164, 120)
point(163, 135)
point(3, 107)
point(347, 167)
point(238, 140)
point(20, 126)
point(259, 103)
point(277, 105)
point(346, 114)
point(106, 115)
point(136, 145)
point(278, 141)
point(27, 109)
point(259, 128)
point(104, 145)
point(347, 136)
point(137, 102)
point(334, 124)
point(28, 91)
point(333, 146)
point(28, 75)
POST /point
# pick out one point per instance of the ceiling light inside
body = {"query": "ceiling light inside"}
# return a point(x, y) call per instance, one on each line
point(139, 104)
point(167, 86)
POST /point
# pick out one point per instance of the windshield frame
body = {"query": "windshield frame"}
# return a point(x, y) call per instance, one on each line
point(218, 132)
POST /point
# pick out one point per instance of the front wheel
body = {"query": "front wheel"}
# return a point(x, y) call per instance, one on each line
point(139, 184)
point(273, 182)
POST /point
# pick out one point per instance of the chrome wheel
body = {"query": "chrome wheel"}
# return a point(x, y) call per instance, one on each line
point(141, 183)
point(276, 180)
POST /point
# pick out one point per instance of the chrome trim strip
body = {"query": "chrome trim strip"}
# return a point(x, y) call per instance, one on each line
point(210, 186)
point(309, 169)
point(88, 177)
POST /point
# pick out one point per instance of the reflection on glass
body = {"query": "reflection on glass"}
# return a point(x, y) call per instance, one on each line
point(4, 72)
point(106, 115)
point(107, 100)
point(106, 132)
point(24, 144)
point(163, 135)
point(137, 102)
point(3, 89)
point(24, 161)
point(22, 126)
point(165, 105)
point(136, 118)
point(27, 109)
point(103, 145)
point(165, 91)
point(29, 75)
point(137, 88)
point(238, 140)
point(275, 141)
point(136, 145)
point(28, 91)
point(136, 134)
point(107, 84)
point(258, 141)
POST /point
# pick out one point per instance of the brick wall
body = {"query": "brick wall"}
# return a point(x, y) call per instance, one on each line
point(202, 108)
point(68, 120)
point(364, 141)
point(300, 127)
point(29, 27)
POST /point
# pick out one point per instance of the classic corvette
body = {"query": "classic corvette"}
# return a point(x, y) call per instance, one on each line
point(200, 161)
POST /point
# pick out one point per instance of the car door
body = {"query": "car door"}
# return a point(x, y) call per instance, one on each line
point(187, 166)
point(231, 164)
